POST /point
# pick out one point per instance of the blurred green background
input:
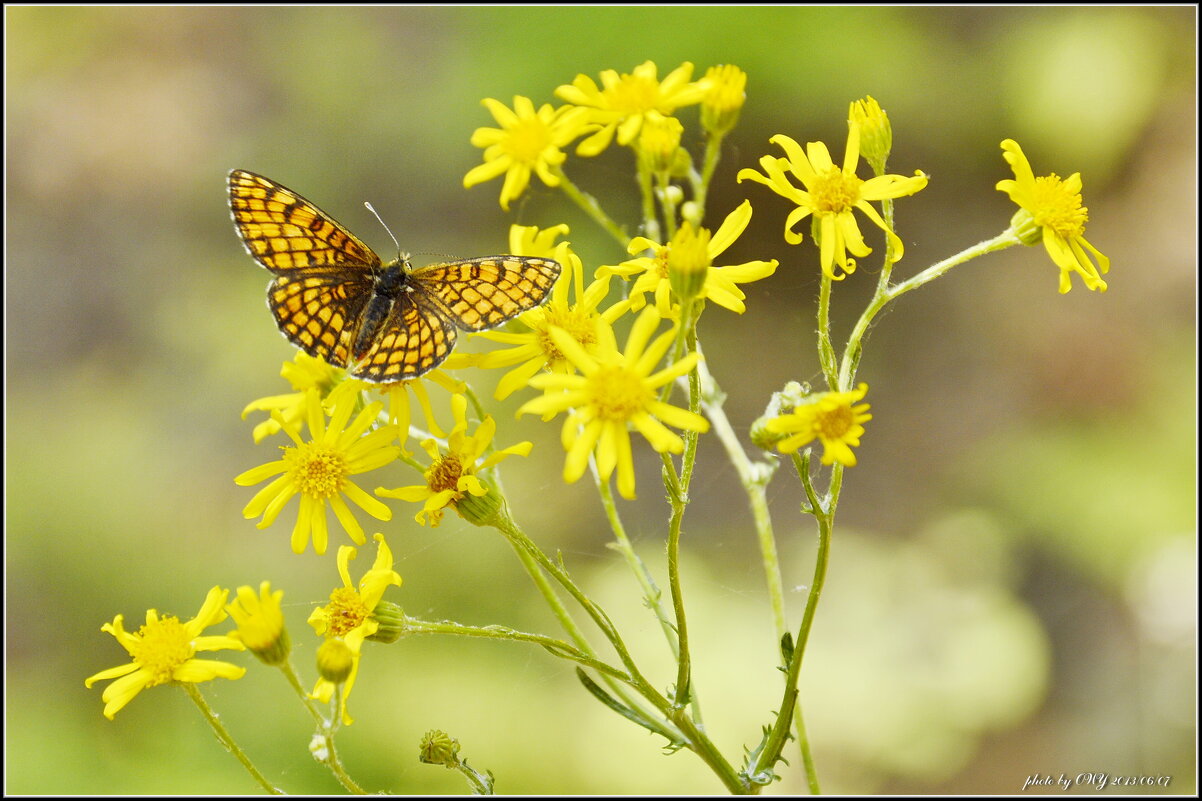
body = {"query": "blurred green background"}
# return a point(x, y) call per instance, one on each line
point(1013, 582)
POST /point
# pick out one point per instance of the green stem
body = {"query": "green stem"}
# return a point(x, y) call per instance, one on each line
point(777, 738)
point(826, 351)
point(622, 544)
point(713, 151)
point(294, 680)
point(589, 205)
point(754, 476)
point(566, 620)
point(510, 529)
point(678, 498)
point(851, 355)
point(651, 227)
point(325, 729)
point(223, 736)
point(557, 647)
point(696, 740)
point(807, 758)
point(669, 207)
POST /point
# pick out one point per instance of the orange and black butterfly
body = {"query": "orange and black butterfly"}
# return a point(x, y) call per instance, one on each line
point(332, 296)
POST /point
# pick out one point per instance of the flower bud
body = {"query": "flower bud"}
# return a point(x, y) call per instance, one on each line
point(688, 261)
point(439, 748)
point(335, 660)
point(722, 103)
point(659, 139)
point(876, 134)
point(392, 619)
point(261, 623)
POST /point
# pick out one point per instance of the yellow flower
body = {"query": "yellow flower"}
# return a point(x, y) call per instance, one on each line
point(830, 194)
point(533, 350)
point(724, 100)
point(261, 623)
point(625, 101)
point(527, 141)
point(163, 651)
point(305, 372)
point(1050, 210)
point(453, 475)
point(349, 616)
point(691, 252)
point(320, 470)
point(830, 417)
point(615, 390)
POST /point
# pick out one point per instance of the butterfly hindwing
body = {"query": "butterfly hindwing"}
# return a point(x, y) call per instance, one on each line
point(320, 314)
point(415, 338)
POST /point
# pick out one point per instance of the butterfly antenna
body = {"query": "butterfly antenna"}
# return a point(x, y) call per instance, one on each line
point(372, 209)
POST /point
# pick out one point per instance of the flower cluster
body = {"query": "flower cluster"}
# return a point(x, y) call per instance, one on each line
point(614, 401)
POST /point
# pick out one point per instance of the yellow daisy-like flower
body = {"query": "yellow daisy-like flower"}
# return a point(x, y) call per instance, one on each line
point(528, 141)
point(832, 417)
point(614, 391)
point(305, 372)
point(575, 312)
point(261, 623)
point(320, 469)
point(831, 194)
point(1050, 211)
point(691, 253)
point(349, 617)
point(164, 651)
point(453, 475)
point(623, 101)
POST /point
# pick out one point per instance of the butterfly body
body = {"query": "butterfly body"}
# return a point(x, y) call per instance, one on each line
point(333, 297)
point(387, 286)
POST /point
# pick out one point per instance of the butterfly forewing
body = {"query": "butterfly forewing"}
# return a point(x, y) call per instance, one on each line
point(285, 232)
point(483, 293)
point(333, 298)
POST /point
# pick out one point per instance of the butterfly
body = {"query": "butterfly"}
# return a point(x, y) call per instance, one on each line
point(333, 297)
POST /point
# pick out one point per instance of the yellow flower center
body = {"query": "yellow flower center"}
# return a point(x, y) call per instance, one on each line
point(527, 140)
point(618, 393)
point(1054, 206)
point(577, 322)
point(346, 612)
point(833, 424)
point(444, 474)
point(633, 94)
point(662, 257)
point(835, 192)
point(161, 647)
point(317, 470)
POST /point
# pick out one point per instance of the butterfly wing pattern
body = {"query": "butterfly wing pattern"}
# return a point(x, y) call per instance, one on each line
point(333, 297)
